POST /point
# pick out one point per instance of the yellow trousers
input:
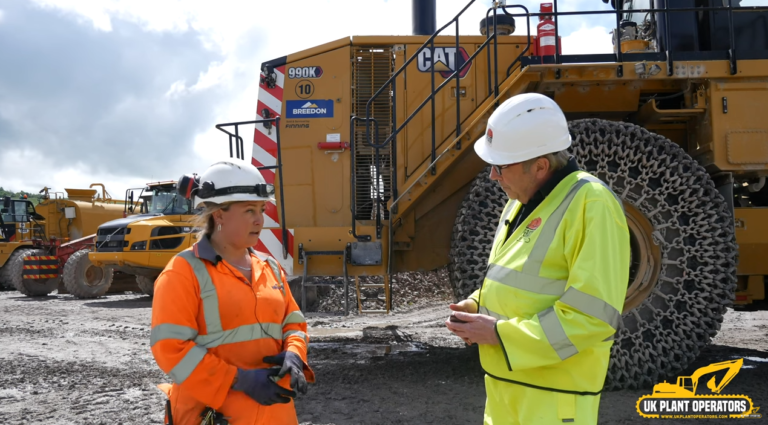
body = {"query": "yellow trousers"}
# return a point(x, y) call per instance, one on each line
point(508, 404)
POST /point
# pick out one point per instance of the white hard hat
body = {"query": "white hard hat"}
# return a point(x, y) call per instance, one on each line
point(525, 126)
point(229, 182)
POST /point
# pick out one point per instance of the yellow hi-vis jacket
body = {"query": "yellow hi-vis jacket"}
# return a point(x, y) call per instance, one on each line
point(557, 287)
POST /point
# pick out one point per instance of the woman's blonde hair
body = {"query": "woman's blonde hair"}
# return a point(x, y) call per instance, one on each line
point(204, 221)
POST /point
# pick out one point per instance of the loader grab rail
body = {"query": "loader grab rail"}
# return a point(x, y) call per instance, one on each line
point(238, 142)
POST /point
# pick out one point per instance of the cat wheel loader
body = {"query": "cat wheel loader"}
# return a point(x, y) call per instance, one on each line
point(368, 140)
point(141, 244)
point(44, 247)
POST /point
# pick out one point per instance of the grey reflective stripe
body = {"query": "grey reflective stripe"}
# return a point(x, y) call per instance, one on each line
point(497, 316)
point(519, 280)
point(207, 293)
point(533, 263)
point(298, 333)
point(294, 317)
point(556, 335)
point(170, 331)
point(188, 364)
point(593, 306)
point(276, 270)
point(504, 216)
point(241, 334)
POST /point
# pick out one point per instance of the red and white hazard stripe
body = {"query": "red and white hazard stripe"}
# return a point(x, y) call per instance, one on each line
point(265, 154)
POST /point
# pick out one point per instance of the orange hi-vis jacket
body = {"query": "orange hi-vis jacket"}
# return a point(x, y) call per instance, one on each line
point(208, 321)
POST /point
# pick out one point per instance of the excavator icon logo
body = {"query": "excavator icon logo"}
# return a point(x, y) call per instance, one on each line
point(680, 400)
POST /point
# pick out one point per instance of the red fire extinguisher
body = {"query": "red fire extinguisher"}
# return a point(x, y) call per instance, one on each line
point(546, 32)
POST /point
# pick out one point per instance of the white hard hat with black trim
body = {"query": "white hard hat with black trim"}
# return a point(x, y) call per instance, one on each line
point(525, 126)
point(227, 182)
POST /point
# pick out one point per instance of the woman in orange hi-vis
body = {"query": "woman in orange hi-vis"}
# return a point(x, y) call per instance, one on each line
point(225, 326)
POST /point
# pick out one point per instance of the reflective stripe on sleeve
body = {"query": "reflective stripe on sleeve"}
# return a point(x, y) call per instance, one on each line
point(530, 283)
point(556, 335)
point(241, 334)
point(497, 316)
point(187, 365)
point(294, 317)
point(299, 333)
point(593, 306)
point(171, 331)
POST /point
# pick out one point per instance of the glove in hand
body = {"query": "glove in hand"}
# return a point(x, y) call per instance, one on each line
point(291, 363)
point(256, 383)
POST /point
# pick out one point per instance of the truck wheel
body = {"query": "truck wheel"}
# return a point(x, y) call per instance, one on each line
point(5, 278)
point(28, 287)
point(146, 284)
point(683, 249)
point(473, 233)
point(84, 280)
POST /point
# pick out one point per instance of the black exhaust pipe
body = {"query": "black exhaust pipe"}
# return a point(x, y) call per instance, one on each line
point(424, 17)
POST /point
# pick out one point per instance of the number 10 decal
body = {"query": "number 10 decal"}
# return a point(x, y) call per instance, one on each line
point(305, 89)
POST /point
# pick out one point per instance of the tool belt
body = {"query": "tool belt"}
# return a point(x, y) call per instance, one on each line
point(209, 416)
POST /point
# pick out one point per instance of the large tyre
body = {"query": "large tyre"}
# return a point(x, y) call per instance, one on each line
point(28, 287)
point(683, 268)
point(84, 280)
point(5, 278)
point(146, 284)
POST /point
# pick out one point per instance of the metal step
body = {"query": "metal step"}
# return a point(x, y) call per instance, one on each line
point(304, 259)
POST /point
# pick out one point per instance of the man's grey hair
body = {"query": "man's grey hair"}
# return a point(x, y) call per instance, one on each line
point(557, 160)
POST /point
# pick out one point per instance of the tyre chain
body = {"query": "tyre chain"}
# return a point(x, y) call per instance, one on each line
point(692, 224)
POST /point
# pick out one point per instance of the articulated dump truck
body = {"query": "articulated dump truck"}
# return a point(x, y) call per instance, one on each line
point(143, 243)
point(45, 247)
point(369, 142)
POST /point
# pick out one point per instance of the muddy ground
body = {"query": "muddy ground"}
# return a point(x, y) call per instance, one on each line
point(65, 361)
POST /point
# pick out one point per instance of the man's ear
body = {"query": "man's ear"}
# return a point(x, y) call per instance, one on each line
point(542, 167)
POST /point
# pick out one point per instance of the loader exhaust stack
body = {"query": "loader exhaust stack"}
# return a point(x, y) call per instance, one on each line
point(424, 17)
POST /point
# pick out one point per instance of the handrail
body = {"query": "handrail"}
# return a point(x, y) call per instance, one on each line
point(279, 165)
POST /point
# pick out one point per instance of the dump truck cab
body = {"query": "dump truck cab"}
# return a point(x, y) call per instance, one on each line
point(141, 244)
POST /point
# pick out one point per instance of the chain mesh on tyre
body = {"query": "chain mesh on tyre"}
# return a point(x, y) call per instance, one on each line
point(665, 333)
point(473, 233)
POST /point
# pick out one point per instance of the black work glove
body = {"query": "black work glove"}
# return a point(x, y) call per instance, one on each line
point(256, 384)
point(291, 363)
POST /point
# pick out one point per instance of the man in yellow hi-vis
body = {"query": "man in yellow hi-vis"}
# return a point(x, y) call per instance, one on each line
point(551, 301)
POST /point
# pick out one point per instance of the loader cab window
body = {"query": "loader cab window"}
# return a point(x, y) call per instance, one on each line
point(17, 212)
point(168, 201)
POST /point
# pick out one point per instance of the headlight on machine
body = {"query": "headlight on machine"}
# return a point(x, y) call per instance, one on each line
point(139, 246)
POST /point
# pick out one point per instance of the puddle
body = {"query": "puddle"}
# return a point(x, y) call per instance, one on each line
point(369, 349)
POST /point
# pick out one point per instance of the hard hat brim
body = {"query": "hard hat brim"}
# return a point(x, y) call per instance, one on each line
point(494, 157)
point(235, 197)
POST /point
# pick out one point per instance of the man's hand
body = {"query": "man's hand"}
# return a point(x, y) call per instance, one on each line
point(479, 328)
point(467, 306)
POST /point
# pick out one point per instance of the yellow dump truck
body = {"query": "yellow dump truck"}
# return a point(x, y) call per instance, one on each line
point(368, 140)
point(45, 247)
point(142, 244)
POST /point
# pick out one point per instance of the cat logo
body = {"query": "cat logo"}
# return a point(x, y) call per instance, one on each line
point(444, 59)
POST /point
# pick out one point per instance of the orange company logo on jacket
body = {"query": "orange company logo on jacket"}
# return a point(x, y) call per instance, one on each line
point(208, 321)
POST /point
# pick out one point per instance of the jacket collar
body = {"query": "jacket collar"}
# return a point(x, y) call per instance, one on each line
point(559, 175)
point(204, 250)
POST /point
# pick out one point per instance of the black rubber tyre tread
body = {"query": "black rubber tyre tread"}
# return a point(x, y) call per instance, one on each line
point(74, 277)
point(663, 335)
point(28, 287)
point(146, 284)
point(473, 232)
point(5, 278)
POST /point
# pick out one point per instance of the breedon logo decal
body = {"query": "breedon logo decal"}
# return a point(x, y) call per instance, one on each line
point(444, 59)
point(309, 109)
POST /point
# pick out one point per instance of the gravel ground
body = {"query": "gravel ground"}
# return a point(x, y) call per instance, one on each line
point(69, 361)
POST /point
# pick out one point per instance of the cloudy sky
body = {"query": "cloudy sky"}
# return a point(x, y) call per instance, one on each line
point(127, 92)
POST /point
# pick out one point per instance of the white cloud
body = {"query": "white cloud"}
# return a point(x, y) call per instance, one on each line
point(249, 33)
point(587, 40)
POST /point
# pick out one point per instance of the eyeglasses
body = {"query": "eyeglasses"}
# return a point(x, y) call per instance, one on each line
point(498, 168)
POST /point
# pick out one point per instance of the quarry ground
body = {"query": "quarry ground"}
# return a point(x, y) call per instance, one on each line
point(64, 361)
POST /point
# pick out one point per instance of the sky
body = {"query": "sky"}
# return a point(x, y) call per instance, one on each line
point(128, 92)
